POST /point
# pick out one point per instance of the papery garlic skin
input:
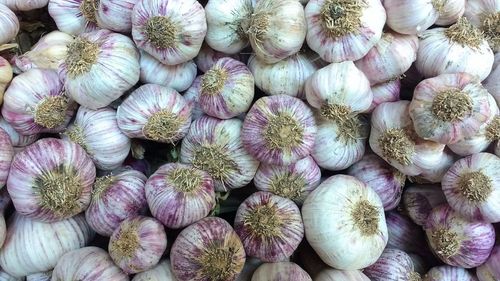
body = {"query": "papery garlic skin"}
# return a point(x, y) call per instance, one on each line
point(87, 264)
point(162, 271)
point(435, 175)
point(6, 155)
point(448, 273)
point(492, 82)
point(23, 5)
point(280, 271)
point(95, 61)
point(334, 209)
point(393, 265)
point(405, 235)
point(17, 139)
point(385, 92)
point(207, 56)
point(450, 11)
point(344, 36)
point(9, 24)
point(41, 276)
point(6, 75)
point(484, 14)
point(52, 239)
point(74, 16)
point(340, 275)
point(489, 271)
point(192, 97)
point(419, 200)
point(411, 16)
point(115, 15)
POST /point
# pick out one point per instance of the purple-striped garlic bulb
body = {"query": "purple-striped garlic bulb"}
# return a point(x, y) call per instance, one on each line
point(179, 194)
point(207, 250)
point(412, 16)
point(215, 146)
point(472, 187)
point(207, 56)
point(455, 240)
point(6, 155)
point(330, 274)
point(87, 264)
point(419, 200)
point(162, 271)
point(192, 97)
point(343, 30)
point(137, 244)
point(9, 24)
point(52, 240)
point(270, 226)
point(448, 273)
point(17, 140)
point(294, 181)
point(385, 180)
point(485, 14)
point(115, 15)
point(6, 74)
point(227, 89)
point(450, 11)
point(393, 265)
point(95, 62)
point(36, 102)
point(116, 197)
point(155, 113)
point(280, 271)
point(385, 92)
point(490, 270)
point(404, 234)
point(171, 31)
point(279, 130)
point(51, 180)
point(74, 16)
point(23, 5)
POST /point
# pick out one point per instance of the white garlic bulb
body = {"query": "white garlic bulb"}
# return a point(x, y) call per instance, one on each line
point(450, 11)
point(485, 14)
point(9, 24)
point(24, 5)
point(74, 16)
point(115, 15)
point(412, 16)
point(492, 82)
point(6, 75)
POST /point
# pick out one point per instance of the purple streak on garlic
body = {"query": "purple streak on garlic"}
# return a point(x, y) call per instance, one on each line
point(485, 14)
point(87, 264)
point(162, 271)
point(450, 11)
point(51, 180)
point(331, 274)
point(74, 16)
point(207, 250)
point(52, 240)
point(455, 240)
point(137, 244)
point(412, 16)
point(393, 265)
point(385, 92)
point(269, 226)
point(344, 30)
point(115, 15)
point(419, 200)
point(41, 276)
point(227, 89)
point(490, 270)
point(23, 5)
point(156, 113)
point(179, 194)
point(17, 140)
point(192, 97)
point(405, 235)
point(280, 271)
point(448, 273)
point(116, 197)
point(279, 130)
point(6, 74)
point(492, 82)
point(207, 56)
point(95, 62)
point(9, 24)
point(6, 155)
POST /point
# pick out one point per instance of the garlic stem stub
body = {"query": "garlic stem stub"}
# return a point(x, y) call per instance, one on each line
point(419, 200)
point(23, 5)
point(280, 271)
point(74, 16)
point(6, 75)
point(393, 264)
point(115, 15)
point(331, 274)
point(448, 273)
point(485, 14)
point(9, 24)
point(490, 270)
point(162, 271)
point(412, 16)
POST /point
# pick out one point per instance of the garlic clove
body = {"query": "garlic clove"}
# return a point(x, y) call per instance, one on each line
point(450, 11)
point(162, 271)
point(280, 271)
point(9, 24)
point(449, 273)
point(485, 14)
point(74, 16)
point(115, 15)
point(412, 16)
point(419, 200)
point(331, 274)
point(385, 92)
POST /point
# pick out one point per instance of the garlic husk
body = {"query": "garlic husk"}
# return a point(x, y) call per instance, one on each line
point(484, 14)
point(455, 240)
point(23, 5)
point(435, 175)
point(390, 58)
point(6, 75)
point(251, 264)
point(385, 180)
point(279, 130)
point(492, 82)
point(17, 139)
point(47, 53)
point(280, 271)
point(74, 16)
point(227, 89)
point(459, 48)
point(170, 31)
point(393, 265)
point(51, 180)
point(345, 208)
point(156, 113)
point(52, 240)
point(9, 24)
point(95, 61)
point(162, 271)
point(331, 274)
point(207, 250)
point(490, 270)
point(192, 97)
point(388, 91)
point(448, 273)
point(419, 200)
point(137, 244)
point(405, 235)
point(6, 155)
point(411, 16)
point(207, 56)
point(115, 15)
point(343, 30)
point(87, 264)
point(41, 276)
point(178, 77)
point(269, 226)
point(116, 197)
point(179, 194)
point(294, 181)
point(450, 12)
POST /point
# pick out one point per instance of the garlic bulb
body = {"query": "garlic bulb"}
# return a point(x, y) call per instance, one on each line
point(48, 52)
point(435, 174)
point(449, 107)
point(162, 271)
point(405, 235)
point(448, 273)
point(412, 16)
point(116, 197)
point(207, 57)
point(192, 97)
point(178, 77)
point(459, 48)
point(270, 227)
point(450, 11)
point(51, 180)
point(279, 130)
point(345, 208)
point(227, 89)
point(94, 56)
point(52, 240)
point(23, 5)
point(331, 274)
point(294, 181)
point(492, 82)
point(344, 30)
point(137, 244)
point(17, 139)
point(87, 264)
point(485, 14)
point(455, 240)
point(115, 15)
point(207, 250)
point(9, 24)
point(393, 265)
point(280, 271)
point(171, 31)
point(74, 16)
point(41, 276)
point(419, 200)
point(156, 113)
point(5, 76)
point(390, 58)
point(179, 194)
point(490, 270)
point(6, 155)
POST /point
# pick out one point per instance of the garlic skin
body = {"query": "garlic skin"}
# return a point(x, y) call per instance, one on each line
point(484, 14)
point(178, 77)
point(17, 140)
point(41, 276)
point(87, 264)
point(51, 180)
point(98, 54)
point(344, 36)
point(331, 274)
point(207, 250)
point(385, 92)
point(489, 271)
point(419, 200)
point(411, 16)
point(192, 97)
point(115, 15)
point(227, 89)
point(435, 175)
point(23, 5)
point(156, 113)
point(6, 155)
point(207, 56)
point(4, 276)
point(334, 209)
point(393, 265)
point(6, 75)
point(450, 11)
point(459, 48)
point(9, 24)
point(280, 271)
point(448, 273)
point(492, 82)
point(17, 256)
point(162, 271)
point(171, 31)
point(405, 235)
point(74, 16)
